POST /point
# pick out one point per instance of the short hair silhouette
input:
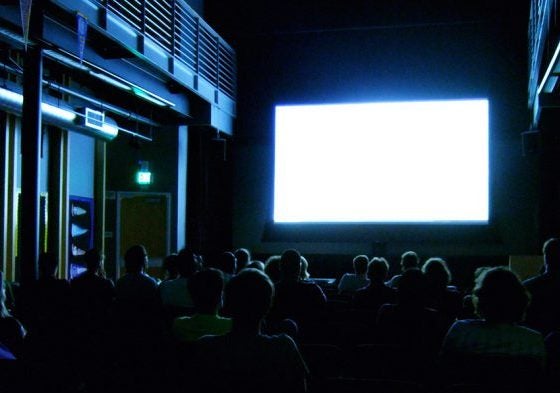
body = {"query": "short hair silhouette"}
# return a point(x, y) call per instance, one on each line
point(243, 257)
point(170, 265)
point(93, 260)
point(409, 260)
point(256, 265)
point(248, 295)
point(206, 289)
point(551, 252)
point(136, 259)
point(272, 268)
point(360, 263)
point(437, 272)
point(500, 296)
point(290, 265)
point(378, 269)
point(227, 262)
point(187, 262)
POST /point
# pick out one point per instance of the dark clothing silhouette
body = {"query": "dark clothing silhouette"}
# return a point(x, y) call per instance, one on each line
point(543, 314)
point(416, 328)
point(447, 301)
point(303, 302)
point(372, 297)
point(251, 363)
point(92, 292)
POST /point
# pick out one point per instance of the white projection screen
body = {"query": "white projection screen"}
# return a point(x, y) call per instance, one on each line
point(382, 162)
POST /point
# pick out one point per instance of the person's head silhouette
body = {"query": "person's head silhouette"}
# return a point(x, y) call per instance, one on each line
point(206, 288)
point(500, 297)
point(136, 259)
point(551, 252)
point(290, 265)
point(377, 270)
point(248, 297)
point(93, 260)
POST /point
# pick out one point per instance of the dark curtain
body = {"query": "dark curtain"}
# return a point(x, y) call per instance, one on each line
point(209, 191)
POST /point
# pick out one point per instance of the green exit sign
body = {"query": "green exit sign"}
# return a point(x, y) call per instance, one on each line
point(144, 176)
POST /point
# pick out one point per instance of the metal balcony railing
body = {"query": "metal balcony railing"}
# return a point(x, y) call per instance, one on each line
point(173, 26)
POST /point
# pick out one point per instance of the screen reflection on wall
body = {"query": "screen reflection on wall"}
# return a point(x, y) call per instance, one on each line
point(382, 162)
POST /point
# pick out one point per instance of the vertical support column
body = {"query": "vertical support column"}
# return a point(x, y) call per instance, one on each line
point(30, 168)
point(4, 175)
point(13, 136)
point(64, 208)
point(100, 173)
point(182, 151)
point(56, 179)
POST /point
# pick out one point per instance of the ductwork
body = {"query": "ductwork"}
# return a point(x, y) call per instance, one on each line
point(61, 115)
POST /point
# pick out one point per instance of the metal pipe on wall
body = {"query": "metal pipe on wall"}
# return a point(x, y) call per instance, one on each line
point(103, 105)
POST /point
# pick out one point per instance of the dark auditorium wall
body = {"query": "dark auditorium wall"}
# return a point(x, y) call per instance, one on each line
point(163, 154)
point(291, 52)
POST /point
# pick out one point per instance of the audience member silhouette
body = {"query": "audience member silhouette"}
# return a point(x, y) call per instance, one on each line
point(501, 301)
point(409, 323)
point(169, 265)
point(377, 293)
point(12, 332)
point(302, 301)
point(304, 273)
point(351, 282)
point(243, 257)
point(227, 263)
point(11, 289)
point(440, 295)
point(137, 320)
point(174, 293)
point(272, 268)
point(92, 300)
point(409, 260)
point(51, 294)
point(552, 344)
point(200, 263)
point(45, 311)
point(136, 288)
point(256, 265)
point(245, 360)
point(468, 309)
point(5, 353)
point(542, 313)
point(92, 293)
point(205, 288)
